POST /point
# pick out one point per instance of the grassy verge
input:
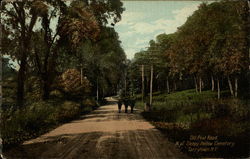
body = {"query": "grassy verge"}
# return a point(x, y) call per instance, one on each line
point(183, 114)
point(39, 117)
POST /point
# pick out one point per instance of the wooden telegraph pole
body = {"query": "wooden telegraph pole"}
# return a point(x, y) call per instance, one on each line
point(142, 79)
point(151, 87)
point(81, 75)
point(125, 83)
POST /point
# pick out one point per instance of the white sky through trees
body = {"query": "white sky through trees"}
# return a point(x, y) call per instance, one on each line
point(144, 20)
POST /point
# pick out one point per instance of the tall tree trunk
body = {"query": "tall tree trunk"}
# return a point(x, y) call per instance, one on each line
point(212, 80)
point(175, 87)
point(46, 88)
point(25, 43)
point(230, 86)
point(49, 61)
point(236, 87)
point(21, 80)
point(218, 88)
point(168, 85)
point(200, 84)
point(196, 85)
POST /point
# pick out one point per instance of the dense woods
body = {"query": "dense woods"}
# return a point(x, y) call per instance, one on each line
point(210, 51)
point(48, 37)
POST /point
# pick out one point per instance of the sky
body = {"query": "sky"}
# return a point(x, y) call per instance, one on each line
point(142, 21)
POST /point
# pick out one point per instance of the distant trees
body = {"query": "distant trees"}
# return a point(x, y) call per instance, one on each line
point(105, 62)
point(211, 45)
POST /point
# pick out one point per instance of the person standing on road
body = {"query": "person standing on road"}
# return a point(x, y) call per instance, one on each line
point(132, 104)
point(119, 105)
point(126, 103)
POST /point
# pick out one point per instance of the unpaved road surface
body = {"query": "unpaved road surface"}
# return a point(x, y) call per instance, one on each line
point(104, 133)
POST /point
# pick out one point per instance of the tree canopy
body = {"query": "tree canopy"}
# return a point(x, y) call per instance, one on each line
point(213, 43)
point(39, 34)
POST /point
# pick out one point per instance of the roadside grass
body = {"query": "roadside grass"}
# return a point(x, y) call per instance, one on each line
point(186, 105)
point(181, 114)
point(39, 117)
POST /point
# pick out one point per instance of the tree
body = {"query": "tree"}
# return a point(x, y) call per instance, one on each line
point(229, 45)
point(72, 19)
point(19, 21)
point(102, 61)
point(105, 10)
point(71, 84)
point(105, 64)
point(41, 28)
point(213, 43)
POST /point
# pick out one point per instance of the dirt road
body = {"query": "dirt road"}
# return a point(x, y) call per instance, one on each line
point(104, 133)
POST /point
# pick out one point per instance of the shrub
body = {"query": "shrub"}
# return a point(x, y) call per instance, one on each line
point(89, 102)
point(67, 111)
point(219, 126)
point(56, 94)
point(71, 83)
point(22, 124)
point(36, 118)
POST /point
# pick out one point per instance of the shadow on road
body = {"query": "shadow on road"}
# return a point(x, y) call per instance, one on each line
point(103, 133)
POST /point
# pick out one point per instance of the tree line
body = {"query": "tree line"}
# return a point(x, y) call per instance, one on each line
point(208, 51)
point(47, 38)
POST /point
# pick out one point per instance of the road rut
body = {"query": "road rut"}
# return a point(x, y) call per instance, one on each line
point(104, 133)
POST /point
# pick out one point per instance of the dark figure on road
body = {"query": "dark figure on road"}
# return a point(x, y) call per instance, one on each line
point(132, 105)
point(126, 103)
point(119, 105)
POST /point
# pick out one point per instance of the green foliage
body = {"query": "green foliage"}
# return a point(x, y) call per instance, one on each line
point(42, 50)
point(102, 61)
point(89, 103)
point(189, 106)
point(51, 42)
point(212, 42)
point(22, 124)
point(68, 111)
point(73, 84)
point(80, 23)
point(220, 127)
point(7, 69)
point(38, 118)
point(8, 90)
point(181, 114)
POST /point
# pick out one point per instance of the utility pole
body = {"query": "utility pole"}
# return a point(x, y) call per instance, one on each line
point(125, 83)
point(142, 81)
point(151, 86)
